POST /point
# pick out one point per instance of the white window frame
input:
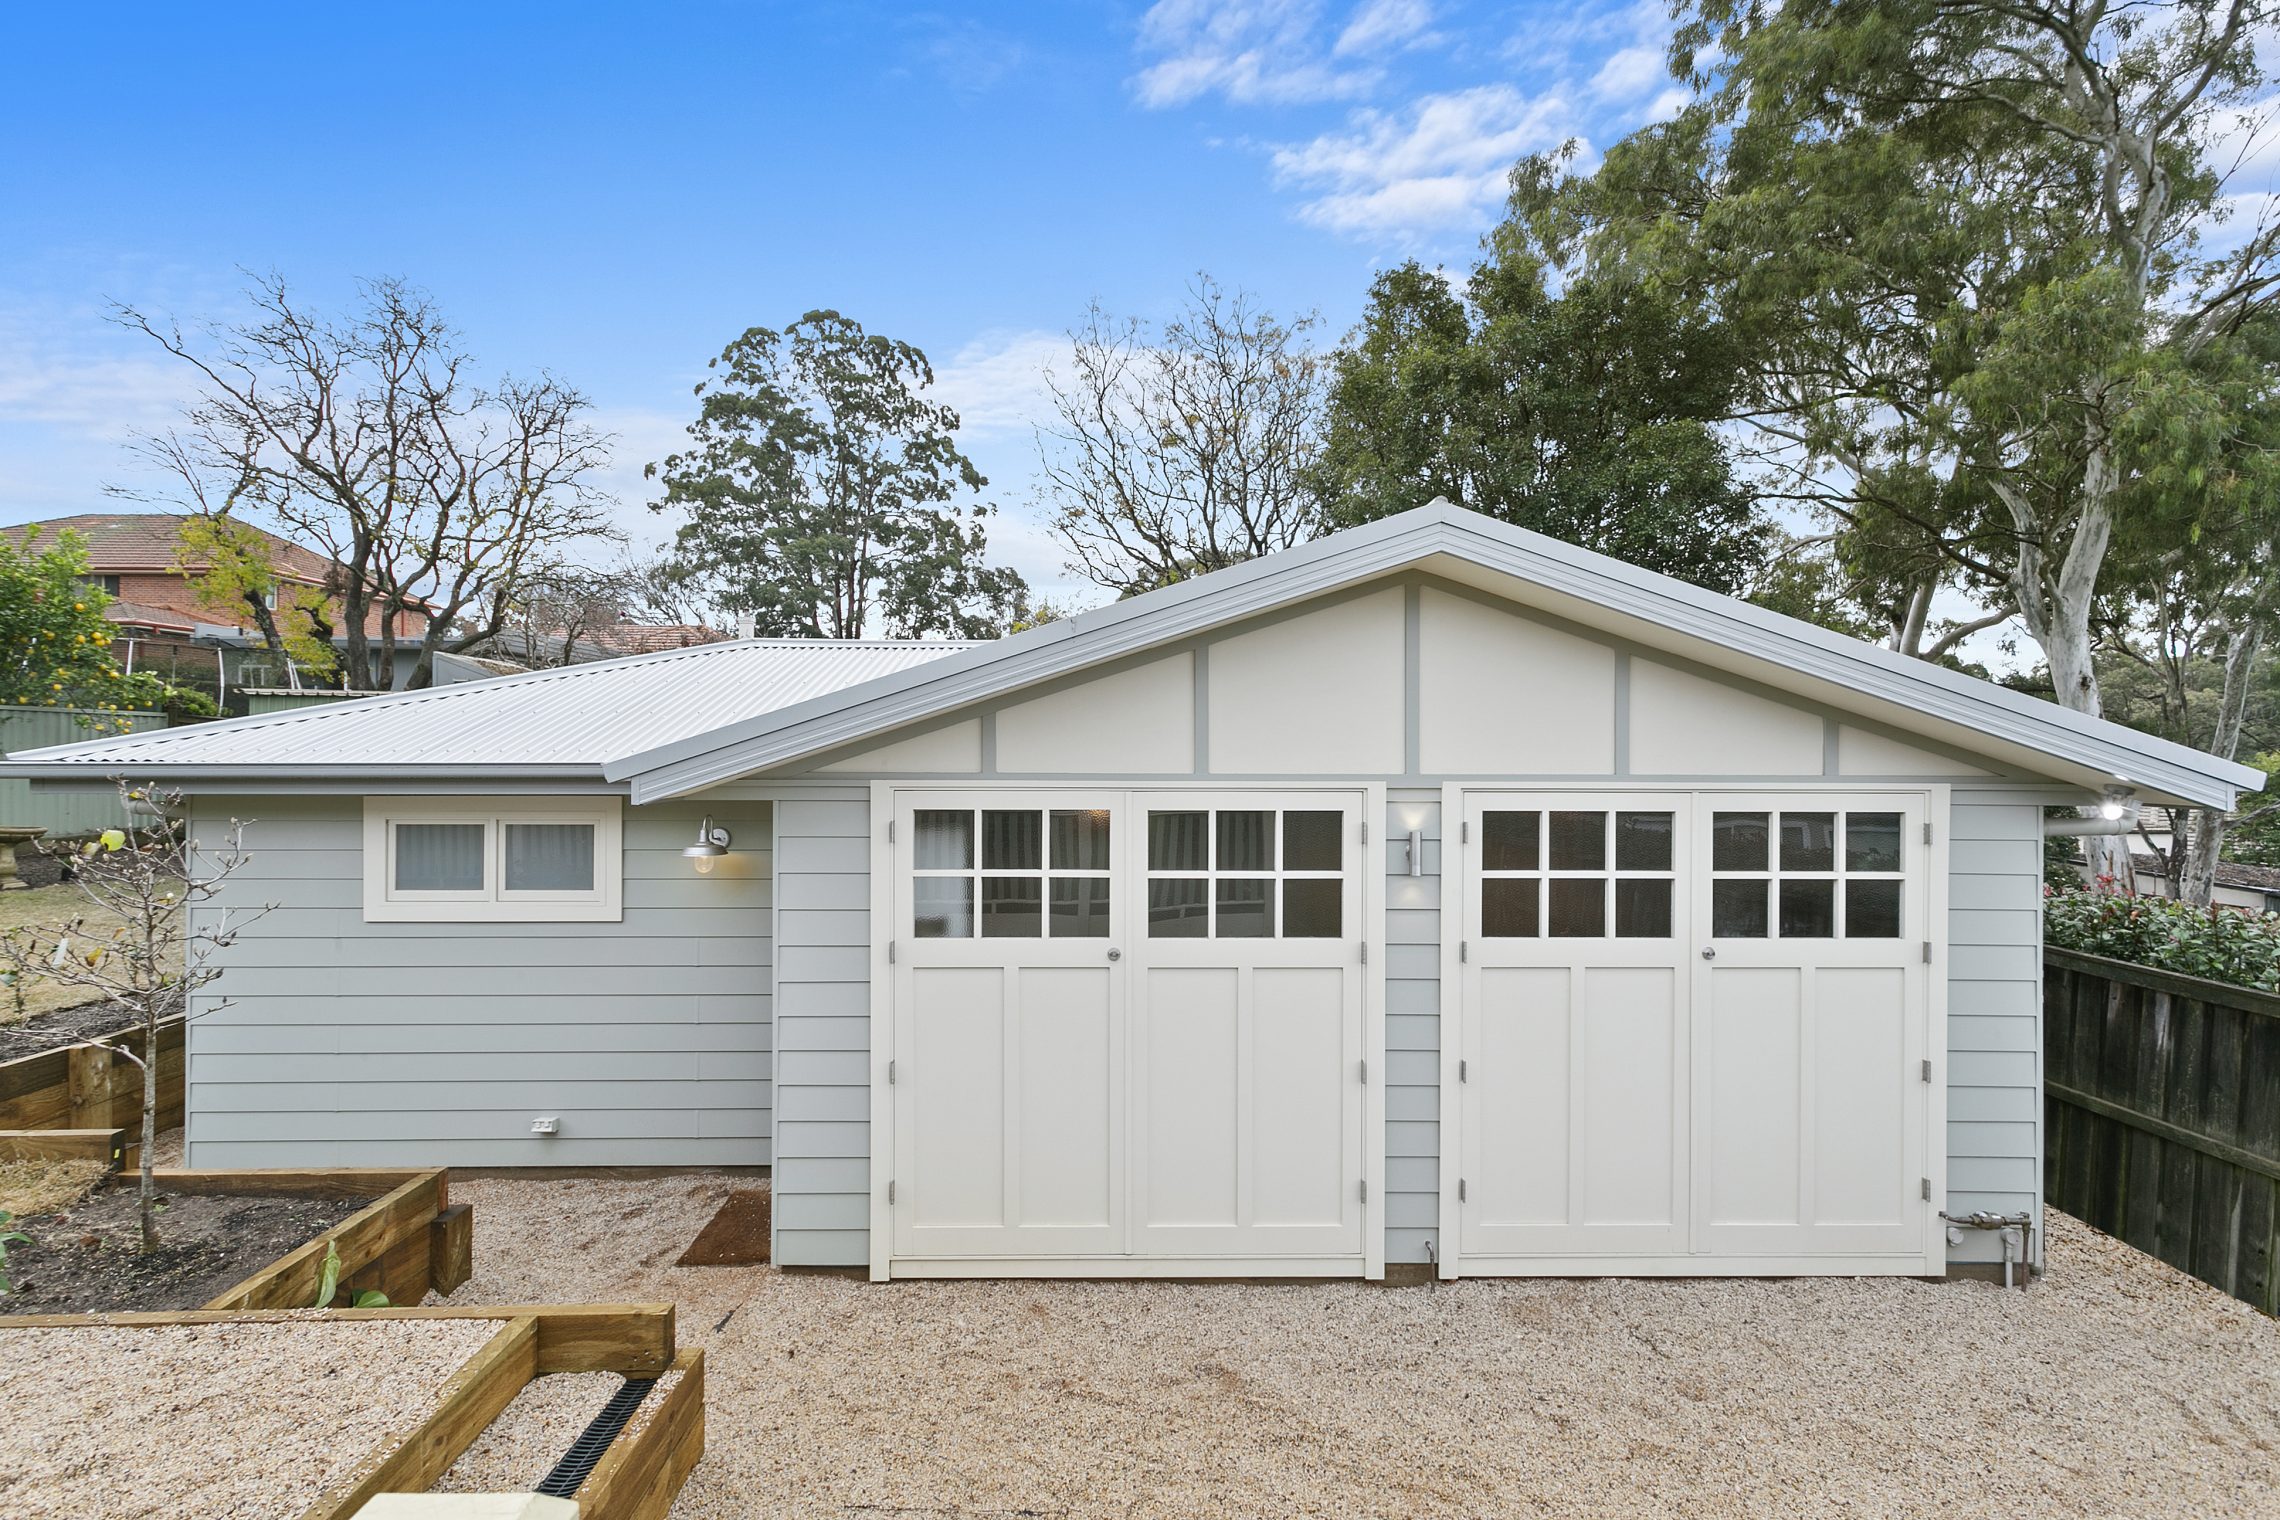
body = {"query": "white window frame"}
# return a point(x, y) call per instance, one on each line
point(492, 903)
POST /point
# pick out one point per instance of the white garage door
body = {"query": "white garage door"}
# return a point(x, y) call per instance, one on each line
point(1128, 1030)
point(1693, 1030)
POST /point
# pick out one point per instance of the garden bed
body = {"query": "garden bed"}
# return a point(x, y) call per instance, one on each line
point(62, 1027)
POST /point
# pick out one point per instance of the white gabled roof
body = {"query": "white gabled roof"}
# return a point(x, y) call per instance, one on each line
point(678, 722)
point(565, 721)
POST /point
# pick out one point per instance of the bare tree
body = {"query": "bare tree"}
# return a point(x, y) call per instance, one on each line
point(1186, 451)
point(143, 882)
point(435, 494)
point(563, 605)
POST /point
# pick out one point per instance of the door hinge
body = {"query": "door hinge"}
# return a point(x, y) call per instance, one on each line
point(1926, 1189)
point(890, 831)
point(1927, 831)
point(1365, 952)
point(1926, 1070)
point(1464, 831)
point(1463, 1070)
point(890, 1074)
point(890, 952)
point(1365, 1190)
point(1462, 949)
point(1927, 952)
point(890, 1192)
point(1460, 1190)
point(1365, 831)
point(1365, 1073)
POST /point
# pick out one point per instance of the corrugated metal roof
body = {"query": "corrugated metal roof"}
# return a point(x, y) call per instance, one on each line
point(576, 717)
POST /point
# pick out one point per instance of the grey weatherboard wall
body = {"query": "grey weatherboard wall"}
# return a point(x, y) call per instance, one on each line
point(345, 1043)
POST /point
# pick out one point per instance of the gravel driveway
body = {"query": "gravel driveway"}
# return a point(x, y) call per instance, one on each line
point(2114, 1387)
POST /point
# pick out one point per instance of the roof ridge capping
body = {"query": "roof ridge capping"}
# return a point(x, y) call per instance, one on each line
point(1383, 547)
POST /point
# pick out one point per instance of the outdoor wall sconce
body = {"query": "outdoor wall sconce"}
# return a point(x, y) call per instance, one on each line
point(2116, 803)
point(711, 845)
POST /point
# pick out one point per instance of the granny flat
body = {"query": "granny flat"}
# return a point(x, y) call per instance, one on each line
point(1433, 893)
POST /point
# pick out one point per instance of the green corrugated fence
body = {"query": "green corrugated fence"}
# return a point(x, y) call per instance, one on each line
point(62, 812)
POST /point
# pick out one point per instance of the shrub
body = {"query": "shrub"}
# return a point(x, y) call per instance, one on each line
point(2221, 944)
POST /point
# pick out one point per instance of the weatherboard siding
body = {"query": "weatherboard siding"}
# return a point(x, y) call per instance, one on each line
point(1412, 1029)
point(332, 1041)
point(822, 1177)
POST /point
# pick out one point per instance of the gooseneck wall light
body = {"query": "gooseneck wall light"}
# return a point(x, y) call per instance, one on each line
point(711, 845)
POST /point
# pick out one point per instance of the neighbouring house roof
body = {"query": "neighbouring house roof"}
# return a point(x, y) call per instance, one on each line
point(605, 641)
point(136, 614)
point(567, 720)
point(2229, 874)
point(670, 724)
point(150, 543)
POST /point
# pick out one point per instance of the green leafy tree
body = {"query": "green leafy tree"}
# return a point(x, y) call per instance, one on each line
point(232, 570)
point(55, 646)
point(1585, 412)
point(825, 495)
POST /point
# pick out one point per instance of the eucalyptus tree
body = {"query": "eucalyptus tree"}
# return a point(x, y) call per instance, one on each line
point(823, 493)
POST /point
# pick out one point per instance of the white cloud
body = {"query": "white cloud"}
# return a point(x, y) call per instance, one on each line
point(1441, 162)
point(1251, 51)
point(1628, 73)
point(1380, 24)
point(997, 381)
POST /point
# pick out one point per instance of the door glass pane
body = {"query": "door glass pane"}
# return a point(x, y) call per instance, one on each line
point(1010, 907)
point(1508, 907)
point(1177, 910)
point(1642, 909)
point(1179, 842)
point(945, 840)
point(1080, 840)
point(1311, 841)
point(1737, 909)
point(1737, 842)
point(1642, 841)
point(1872, 909)
point(550, 857)
point(942, 907)
point(1872, 841)
point(1808, 910)
point(1579, 843)
point(1508, 842)
point(1313, 908)
point(1012, 841)
point(1246, 842)
point(439, 857)
point(1579, 907)
point(1808, 841)
point(1246, 909)
point(1080, 907)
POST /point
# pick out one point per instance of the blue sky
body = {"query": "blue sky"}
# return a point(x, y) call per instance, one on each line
point(612, 193)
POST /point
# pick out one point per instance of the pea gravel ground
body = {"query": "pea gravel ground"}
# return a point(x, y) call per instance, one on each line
point(2114, 1387)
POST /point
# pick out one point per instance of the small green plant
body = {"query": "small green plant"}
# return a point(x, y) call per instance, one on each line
point(328, 1284)
point(9, 1238)
point(2219, 944)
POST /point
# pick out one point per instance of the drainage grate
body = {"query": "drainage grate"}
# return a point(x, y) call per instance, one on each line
point(595, 1439)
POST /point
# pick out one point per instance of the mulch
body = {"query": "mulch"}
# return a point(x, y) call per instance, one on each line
point(84, 1261)
point(736, 1236)
point(64, 1026)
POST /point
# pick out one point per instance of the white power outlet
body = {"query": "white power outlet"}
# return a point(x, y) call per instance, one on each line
point(546, 1124)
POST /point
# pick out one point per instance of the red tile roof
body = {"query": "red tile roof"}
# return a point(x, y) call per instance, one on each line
point(125, 543)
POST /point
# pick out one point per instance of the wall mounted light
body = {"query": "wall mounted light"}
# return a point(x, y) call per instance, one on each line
point(711, 845)
point(2116, 803)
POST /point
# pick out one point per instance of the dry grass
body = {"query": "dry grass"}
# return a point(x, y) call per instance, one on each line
point(48, 908)
point(2114, 1387)
point(46, 1187)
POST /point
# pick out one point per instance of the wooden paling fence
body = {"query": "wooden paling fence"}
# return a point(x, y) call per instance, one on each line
point(2164, 1116)
point(87, 1088)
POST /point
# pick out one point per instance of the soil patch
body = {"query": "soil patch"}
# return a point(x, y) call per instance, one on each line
point(83, 1260)
point(737, 1235)
point(65, 1026)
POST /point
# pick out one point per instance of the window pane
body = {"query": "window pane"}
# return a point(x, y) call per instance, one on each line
point(1808, 841)
point(1080, 907)
point(1737, 842)
point(1642, 910)
point(1246, 909)
point(1872, 910)
point(1808, 910)
point(1872, 841)
point(1179, 842)
point(942, 907)
point(1311, 841)
point(945, 840)
point(1246, 842)
point(1508, 842)
point(1737, 910)
point(1579, 908)
point(550, 857)
point(1579, 842)
point(1080, 840)
point(1012, 841)
point(1010, 907)
point(1508, 907)
point(1313, 908)
point(1176, 909)
point(1642, 841)
point(439, 857)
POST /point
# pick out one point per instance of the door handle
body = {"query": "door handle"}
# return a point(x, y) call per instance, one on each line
point(1115, 954)
point(1709, 952)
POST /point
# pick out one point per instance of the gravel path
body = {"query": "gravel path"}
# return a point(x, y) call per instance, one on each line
point(2114, 1387)
point(204, 1422)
